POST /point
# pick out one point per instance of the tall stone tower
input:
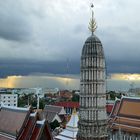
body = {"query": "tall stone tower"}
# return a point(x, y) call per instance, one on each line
point(92, 114)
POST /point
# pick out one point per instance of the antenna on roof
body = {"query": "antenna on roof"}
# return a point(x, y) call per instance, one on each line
point(67, 73)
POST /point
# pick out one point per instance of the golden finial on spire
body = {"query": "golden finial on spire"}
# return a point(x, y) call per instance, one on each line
point(92, 24)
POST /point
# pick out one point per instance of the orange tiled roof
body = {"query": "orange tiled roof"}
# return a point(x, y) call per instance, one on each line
point(126, 115)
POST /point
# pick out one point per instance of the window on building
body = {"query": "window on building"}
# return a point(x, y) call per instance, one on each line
point(8, 104)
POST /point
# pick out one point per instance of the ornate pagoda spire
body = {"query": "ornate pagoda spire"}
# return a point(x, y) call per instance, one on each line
point(92, 124)
point(92, 24)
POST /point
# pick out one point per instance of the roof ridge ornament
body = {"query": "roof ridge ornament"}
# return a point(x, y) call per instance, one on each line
point(92, 24)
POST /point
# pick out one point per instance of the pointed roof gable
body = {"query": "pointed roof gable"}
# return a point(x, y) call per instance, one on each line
point(73, 123)
point(41, 131)
point(115, 108)
point(71, 128)
point(25, 134)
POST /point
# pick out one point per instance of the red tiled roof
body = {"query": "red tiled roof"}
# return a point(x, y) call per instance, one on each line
point(35, 133)
point(28, 128)
point(109, 108)
point(35, 130)
point(41, 131)
point(68, 104)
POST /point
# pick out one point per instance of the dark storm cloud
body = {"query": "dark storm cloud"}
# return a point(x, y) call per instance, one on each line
point(24, 67)
point(47, 33)
point(14, 23)
point(12, 31)
point(123, 66)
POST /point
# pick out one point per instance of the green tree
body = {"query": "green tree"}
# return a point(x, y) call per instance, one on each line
point(75, 98)
point(54, 124)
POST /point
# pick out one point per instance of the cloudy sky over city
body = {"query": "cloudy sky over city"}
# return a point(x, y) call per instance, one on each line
point(42, 36)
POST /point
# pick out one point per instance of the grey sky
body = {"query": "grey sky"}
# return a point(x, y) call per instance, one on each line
point(39, 32)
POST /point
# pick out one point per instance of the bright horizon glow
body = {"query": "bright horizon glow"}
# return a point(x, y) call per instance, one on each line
point(114, 81)
point(126, 76)
point(9, 82)
point(39, 81)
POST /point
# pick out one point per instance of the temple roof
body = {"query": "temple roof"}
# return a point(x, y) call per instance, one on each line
point(73, 123)
point(6, 137)
point(22, 123)
point(126, 115)
point(57, 109)
point(115, 108)
point(12, 119)
point(51, 116)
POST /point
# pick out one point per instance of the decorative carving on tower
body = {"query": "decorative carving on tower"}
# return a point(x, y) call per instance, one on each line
point(92, 113)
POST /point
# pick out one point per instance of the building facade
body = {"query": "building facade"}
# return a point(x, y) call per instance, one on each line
point(9, 99)
point(92, 113)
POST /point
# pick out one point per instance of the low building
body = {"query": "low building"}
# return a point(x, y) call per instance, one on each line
point(71, 128)
point(68, 106)
point(65, 95)
point(124, 120)
point(52, 91)
point(9, 99)
point(22, 123)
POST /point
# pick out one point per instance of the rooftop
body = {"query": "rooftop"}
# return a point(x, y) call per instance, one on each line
point(126, 115)
point(20, 123)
